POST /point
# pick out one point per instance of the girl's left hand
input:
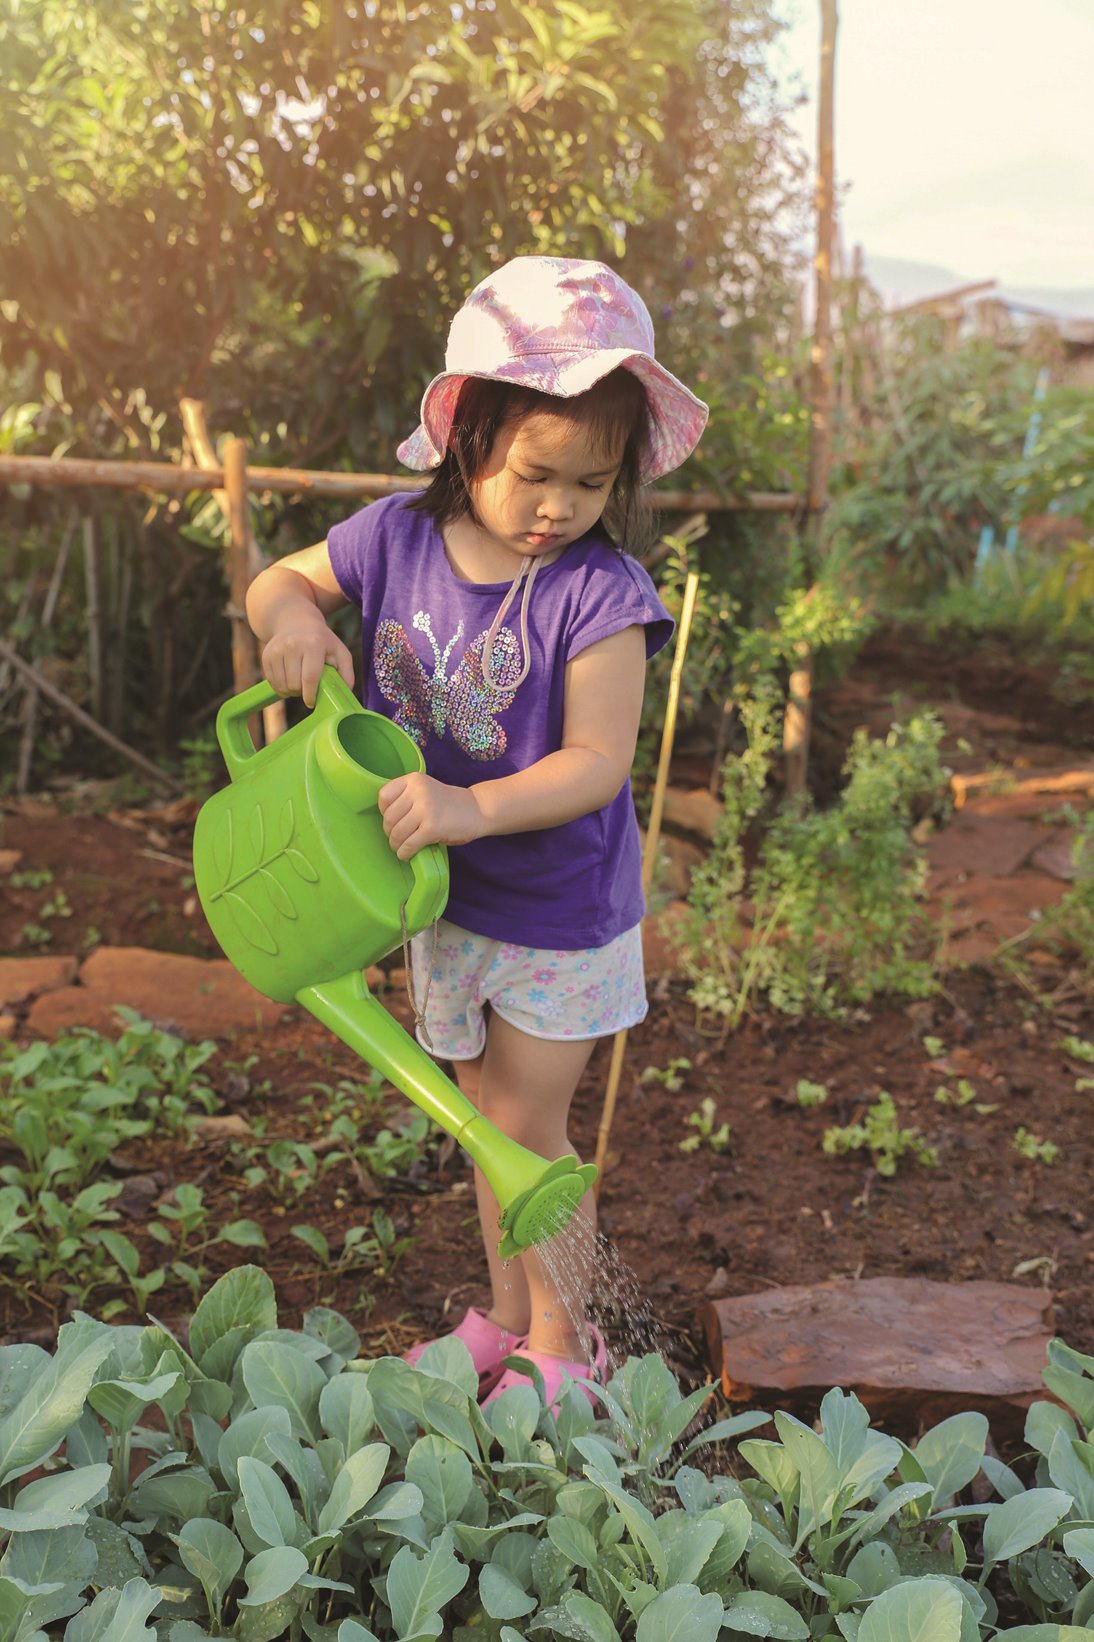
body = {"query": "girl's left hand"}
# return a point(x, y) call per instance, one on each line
point(418, 810)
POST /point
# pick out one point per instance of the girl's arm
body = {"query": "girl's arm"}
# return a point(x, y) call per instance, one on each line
point(287, 606)
point(603, 705)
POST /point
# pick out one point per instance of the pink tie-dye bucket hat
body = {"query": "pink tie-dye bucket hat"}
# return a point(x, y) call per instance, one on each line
point(556, 324)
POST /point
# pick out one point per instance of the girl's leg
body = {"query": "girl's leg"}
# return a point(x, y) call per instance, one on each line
point(525, 1086)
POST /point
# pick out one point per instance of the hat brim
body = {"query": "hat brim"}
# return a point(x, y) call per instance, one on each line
point(677, 416)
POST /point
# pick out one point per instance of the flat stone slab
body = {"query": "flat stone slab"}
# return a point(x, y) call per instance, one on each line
point(23, 978)
point(995, 845)
point(911, 1350)
point(198, 997)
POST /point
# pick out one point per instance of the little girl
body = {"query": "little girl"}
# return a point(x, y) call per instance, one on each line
point(550, 413)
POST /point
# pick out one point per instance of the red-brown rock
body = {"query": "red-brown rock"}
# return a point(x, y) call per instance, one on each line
point(696, 810)
point(199, 997)
point(910, 1349)
point(23, 978)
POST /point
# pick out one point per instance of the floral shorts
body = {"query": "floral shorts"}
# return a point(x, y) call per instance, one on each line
point(593, 993)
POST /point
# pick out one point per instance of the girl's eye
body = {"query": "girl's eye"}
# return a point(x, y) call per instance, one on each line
point(525, 480)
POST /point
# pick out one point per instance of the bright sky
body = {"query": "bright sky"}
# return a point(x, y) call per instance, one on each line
point(964, 131)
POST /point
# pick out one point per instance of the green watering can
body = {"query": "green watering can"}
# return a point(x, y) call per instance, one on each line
point(303, 891)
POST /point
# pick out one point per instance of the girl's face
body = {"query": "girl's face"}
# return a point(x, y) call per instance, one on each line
point(544, 485)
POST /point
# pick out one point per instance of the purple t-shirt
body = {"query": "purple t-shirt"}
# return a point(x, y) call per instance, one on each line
point(422, 630)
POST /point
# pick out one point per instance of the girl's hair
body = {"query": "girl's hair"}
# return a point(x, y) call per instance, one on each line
point(614, 412)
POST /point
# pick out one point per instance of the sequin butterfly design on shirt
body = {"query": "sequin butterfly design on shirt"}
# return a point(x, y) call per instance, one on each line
point(463, 704)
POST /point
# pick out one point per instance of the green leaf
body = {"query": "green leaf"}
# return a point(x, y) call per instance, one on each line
point(277, 1376)
point(248, 1435)
point(683, 1614)
point(501, 1595)
point(419, 1587)
point(347, 1412)
point(213, 1555)
point(759, 1614)
point(272, 1574)
point(50, 1404)
point(55, 1502)
point(1021, 1522)
point(356, 1483)
point(122, 1402)
point(269, 1507)
point(578, 1616)
point(1071, 1468)
point(242, 1299)
point(574, 1540)
point(919, 1610)
point(1079, 1543)
point(724, 1429)
point(350, 1630)
point(951, 1454)
point(117, 1616)
point(244, 1234)
point(443, 1473)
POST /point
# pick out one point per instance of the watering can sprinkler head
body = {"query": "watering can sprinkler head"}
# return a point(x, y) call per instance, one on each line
point(303, 891)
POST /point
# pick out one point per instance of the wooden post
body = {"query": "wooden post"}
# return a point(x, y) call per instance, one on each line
point(649, 854)
point(274, 720)
point(244, 661)
point(799, 707)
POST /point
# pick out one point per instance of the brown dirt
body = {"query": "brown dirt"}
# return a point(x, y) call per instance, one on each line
point(771, 1210)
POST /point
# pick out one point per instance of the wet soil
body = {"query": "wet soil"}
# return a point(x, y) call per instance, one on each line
point(772, 1208)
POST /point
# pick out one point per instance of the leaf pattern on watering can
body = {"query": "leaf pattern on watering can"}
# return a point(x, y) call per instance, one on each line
point(250, 925)
point(224, 846)
point(279, 895)
point(300, 864)
point(258, 835)
point(286, 822)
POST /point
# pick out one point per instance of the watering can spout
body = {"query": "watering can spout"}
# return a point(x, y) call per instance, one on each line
point(536, 1198)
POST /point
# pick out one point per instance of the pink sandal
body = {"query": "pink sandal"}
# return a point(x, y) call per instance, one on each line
point(553, 1368)
point(488, 1344)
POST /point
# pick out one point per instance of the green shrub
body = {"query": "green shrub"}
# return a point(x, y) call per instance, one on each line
point(836, 893)
point(266, 1483)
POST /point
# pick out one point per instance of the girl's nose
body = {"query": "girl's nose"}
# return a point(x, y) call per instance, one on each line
point(556, 506)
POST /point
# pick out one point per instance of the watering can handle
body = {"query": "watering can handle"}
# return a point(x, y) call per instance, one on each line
point(333, 696)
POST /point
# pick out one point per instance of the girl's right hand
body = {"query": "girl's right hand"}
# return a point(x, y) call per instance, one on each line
point(293, 660)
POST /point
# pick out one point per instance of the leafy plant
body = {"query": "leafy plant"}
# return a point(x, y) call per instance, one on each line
point(880, 1134)
point(671, 1077)
point(810, 1094)
point(1033, 1147)
point(289, 1489)
point(703, 1122)
point(835, 893)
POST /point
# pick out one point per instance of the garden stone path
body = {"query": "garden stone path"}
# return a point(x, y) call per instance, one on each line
point(912, 1350)
point(198, 997)
point(1005, 856)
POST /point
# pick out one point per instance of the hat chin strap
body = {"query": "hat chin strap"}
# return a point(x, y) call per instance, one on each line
point(528, 565)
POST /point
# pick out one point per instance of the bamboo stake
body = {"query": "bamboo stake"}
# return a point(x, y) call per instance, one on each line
point(649, 854)
point(169, 479)
point(797, 722)
point(274, 718)
point(66, 703)
point(244, 661)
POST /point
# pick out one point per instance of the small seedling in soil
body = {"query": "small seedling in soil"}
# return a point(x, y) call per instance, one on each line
point(963, 1095)
point(57, 906)
point(31, 878)
point(37, 934)
point(881, 1135)
point(1033, 1147)
point(810, 1094)
point(380, 1249)
point(1078, 1049)
point(934, 1047)
point(1083, 1084)
point(707, 1135)
point(672, 1078)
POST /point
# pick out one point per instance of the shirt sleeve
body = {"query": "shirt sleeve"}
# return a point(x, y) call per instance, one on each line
point(352, 542)
point(617, 595)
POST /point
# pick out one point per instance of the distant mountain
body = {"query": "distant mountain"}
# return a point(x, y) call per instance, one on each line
point(900, 281)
